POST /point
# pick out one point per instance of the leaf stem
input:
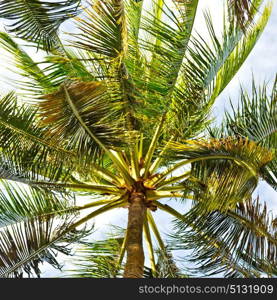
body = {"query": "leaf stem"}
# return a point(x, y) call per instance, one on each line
point(150, 246)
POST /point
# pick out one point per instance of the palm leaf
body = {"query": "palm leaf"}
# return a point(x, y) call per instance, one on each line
point(81, 114)
point(103, 29)
point(168, 41)
point(186, 83)
point(33, 150)
point(25, 66)
point(134, 15)
point(46, 75)
point(243, 11)
point(18, 203)
point(256, 119)
point(166, 265)
point(73, 66)
point(242, 150)
point(38, 21)
point(166, 38)
point(210, 68)
point(99, 259)
point(238, 243)
point(223, 171)
point(25, 245)
point(104, 34)
point(240, 53)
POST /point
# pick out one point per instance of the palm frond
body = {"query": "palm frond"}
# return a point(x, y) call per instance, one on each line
point(240, 53)
point(46, 75)
point(223, 171)
point(38, 21)
point(25, 66)
point(238, 243)
point(99, 259)
point(255, 118)
point(134, 15)
point(239, 149)
point(18, 203)
point(81, 114)
point(104, 34)
point(72, 67)
point(103, 29)
point(25, 245)
point(24, 146)
point(165, 40)
point(242, 11)
point(211, 68)
point(166, 265)
point(185, 79)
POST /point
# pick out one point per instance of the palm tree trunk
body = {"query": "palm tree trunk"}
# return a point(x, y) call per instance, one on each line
point(135, 254)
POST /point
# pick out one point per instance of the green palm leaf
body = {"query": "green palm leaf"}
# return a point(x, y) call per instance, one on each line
point(168, 41)
point(223, 171)
point(81, 114)
point(73, 66)
point(134, 14)
point(103, 29)
point(38, 21)
point(25, 66)
point(256, 119)
point(46, 75)
point(211, 68)
point(18, 203)
point(33, 149)
point(25, 245)
point(104, 34)
point(185, 78)
point(98, 259)
point(238, 243)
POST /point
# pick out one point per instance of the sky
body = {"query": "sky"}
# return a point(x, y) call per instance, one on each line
point(262, 62)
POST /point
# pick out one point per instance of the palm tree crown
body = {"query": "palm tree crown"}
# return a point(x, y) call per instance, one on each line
point(114, 110)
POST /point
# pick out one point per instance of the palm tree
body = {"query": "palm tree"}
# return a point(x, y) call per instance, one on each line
point(120, 112)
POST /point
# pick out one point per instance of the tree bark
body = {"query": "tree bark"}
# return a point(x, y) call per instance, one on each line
point(135, 254)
